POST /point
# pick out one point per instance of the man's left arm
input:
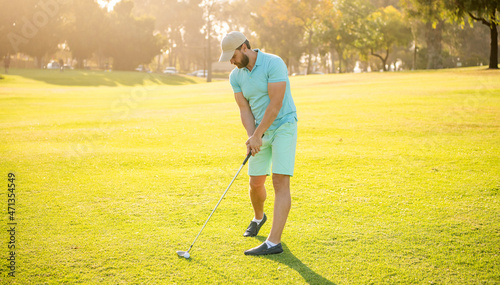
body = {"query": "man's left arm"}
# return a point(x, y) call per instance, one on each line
point(276, 91)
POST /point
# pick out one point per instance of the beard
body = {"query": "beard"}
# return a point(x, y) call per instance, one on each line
point(244, 61)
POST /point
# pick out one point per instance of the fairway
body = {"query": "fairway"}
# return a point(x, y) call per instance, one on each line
point(397, 180)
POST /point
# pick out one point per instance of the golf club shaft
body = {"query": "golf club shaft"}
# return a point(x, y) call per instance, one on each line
point(234, 178)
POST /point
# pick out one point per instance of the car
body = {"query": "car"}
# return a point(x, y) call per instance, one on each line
point(53, 65)
point(142, 68)
point(170, 70)
point(199, 73)
point(316, 72)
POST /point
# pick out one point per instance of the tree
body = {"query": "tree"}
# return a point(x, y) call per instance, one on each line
point(11, 10)
point(193, 48)
point(212, 9)
point(279, 30)
point(133, 41)
point(432, 14)
point(235, 15)
point(85, 29)
point(469, 45)
point(384, 3)
point(309, 14)
point(176, 21)
point(31, 26)
point(387, 29)
point(329, 33)
point(352, 33)
point(485, 12)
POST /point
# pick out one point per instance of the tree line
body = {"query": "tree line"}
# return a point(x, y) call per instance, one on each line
point(310, 35)
point(40, 28)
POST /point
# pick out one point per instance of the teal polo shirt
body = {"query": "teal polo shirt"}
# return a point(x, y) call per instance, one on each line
point(268, 68)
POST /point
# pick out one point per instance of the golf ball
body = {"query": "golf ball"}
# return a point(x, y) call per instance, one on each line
point(186, 255)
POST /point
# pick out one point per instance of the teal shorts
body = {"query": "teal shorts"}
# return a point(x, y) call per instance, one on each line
point(277, 150)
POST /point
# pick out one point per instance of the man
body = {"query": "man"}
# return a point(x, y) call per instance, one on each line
point(262, 91)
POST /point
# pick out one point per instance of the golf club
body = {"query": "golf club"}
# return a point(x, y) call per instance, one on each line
point(185, 254)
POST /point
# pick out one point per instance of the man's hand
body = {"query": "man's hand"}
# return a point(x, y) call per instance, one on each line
point(253, 144)
point(276, 93)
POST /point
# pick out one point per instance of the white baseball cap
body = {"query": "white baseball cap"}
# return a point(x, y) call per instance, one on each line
point(230, 43)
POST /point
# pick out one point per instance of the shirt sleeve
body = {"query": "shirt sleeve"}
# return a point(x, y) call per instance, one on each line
point(278, 71)
point(234, 83)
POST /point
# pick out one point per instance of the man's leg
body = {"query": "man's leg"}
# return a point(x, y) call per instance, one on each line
point(258, 195)
point(258, 168)
point(282, 204)
point(283, 159)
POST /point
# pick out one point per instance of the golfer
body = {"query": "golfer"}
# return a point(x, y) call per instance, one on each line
point(262, 92)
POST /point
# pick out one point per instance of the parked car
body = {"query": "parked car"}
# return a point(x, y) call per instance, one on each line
point(199, 73)
point(143, 68)
point(170, 70)
point(53, 65)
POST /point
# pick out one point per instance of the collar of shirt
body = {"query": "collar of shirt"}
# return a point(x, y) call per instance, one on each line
point(258, 61)
point(259, 58)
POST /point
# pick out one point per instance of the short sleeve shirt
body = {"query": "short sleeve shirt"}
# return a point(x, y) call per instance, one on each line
point(268, 68)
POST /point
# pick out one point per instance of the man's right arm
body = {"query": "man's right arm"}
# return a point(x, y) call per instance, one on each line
point(246, 115)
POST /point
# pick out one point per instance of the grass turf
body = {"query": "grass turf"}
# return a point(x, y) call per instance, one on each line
point(397, 180)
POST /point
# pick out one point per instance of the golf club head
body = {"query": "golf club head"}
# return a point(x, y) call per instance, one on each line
point(184, 254)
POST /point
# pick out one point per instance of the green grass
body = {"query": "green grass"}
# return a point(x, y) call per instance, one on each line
point(397, 180)
point(90, 78)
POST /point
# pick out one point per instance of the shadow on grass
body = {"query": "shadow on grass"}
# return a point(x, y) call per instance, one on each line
point(287, 258)
point(101, 78)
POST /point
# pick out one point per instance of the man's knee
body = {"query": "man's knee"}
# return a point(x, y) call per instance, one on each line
point(281, 181)
point(257, 182)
